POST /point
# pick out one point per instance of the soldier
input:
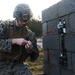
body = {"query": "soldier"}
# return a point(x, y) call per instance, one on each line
point(17, 43)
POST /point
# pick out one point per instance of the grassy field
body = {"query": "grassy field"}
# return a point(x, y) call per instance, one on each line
point(37, 66)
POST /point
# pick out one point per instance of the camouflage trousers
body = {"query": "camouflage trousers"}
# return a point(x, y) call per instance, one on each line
point(15, 68)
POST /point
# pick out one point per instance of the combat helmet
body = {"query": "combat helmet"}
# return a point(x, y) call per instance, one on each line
point(22, 12)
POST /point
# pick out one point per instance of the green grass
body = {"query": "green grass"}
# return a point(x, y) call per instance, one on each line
point(37, 66)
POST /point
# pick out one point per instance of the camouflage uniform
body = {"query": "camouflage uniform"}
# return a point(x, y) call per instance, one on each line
point(10, 62)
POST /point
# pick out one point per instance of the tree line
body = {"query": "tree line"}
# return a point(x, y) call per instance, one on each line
point(36, 26)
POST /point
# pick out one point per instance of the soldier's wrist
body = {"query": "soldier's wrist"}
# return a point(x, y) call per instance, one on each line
point(13, 41)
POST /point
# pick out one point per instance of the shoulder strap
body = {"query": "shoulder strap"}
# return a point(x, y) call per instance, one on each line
point(6, 26)
point(7, 29)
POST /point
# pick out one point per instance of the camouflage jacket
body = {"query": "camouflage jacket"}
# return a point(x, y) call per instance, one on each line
point(6, 47)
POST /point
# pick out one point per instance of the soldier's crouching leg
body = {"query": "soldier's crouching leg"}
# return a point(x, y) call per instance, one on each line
point(23, 70)
point(20, 69)
point(16, 68)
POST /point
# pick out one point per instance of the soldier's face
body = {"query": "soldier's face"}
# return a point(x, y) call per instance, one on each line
point(21, 23)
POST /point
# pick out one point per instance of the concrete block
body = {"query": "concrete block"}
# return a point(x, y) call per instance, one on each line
point(72, 22)
point(65, 72)
point(54, 57)
point(52, 27)
point(54, 70)
point(51, 42)
point(73, 73)
point(69, 60)
point(47, 62)
point(45, 28)
point(66, 7)
point(73, 61)
point(70, 42)
point(50, 13)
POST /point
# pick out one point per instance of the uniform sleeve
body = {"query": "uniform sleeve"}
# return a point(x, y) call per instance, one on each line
point(5, 44)
point(34, 55)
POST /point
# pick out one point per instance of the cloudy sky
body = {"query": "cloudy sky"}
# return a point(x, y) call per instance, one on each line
point(37, 6)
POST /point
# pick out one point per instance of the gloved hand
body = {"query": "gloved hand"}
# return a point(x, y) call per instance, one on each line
point(29, 46)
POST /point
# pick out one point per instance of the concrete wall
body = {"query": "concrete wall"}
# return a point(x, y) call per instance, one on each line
point(51, 40)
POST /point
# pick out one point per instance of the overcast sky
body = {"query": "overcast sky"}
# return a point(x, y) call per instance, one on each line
point(37, 6)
